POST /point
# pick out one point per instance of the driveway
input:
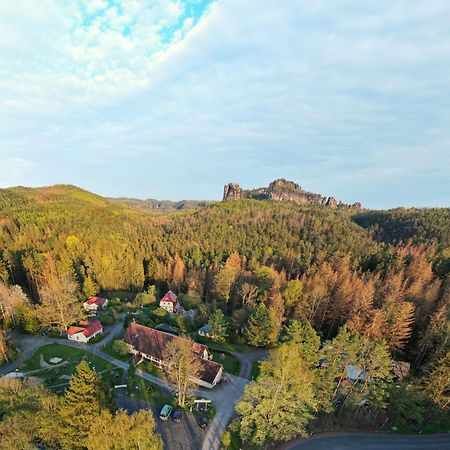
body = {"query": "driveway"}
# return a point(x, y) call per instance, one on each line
point(372, 442)
point(247, 359)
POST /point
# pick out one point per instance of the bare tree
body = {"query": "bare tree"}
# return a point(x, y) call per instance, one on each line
point(10, 298)
point(59, 305)
point(183, 367)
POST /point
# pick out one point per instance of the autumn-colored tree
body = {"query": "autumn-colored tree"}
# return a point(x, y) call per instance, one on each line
point(399, 321)
point(177, 272)
point(183, 367)
point(59, 306)
point(226, 277)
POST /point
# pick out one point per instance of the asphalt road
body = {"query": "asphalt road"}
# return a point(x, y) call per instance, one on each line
point(373, 442)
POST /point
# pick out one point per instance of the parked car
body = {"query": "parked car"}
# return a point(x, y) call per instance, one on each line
point(202, 422)
point(177, 415)
point(165, 412)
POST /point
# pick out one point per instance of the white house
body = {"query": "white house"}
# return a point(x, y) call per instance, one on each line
point(148, 343)
point(85, 331)
point(95, 303)
point(169, 302)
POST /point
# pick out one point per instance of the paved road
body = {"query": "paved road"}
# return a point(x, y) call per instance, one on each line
point(247, 359)
point(372, 442)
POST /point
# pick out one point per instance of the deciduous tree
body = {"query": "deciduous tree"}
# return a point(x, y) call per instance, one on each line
point(124, 432)
point(183, 367)
point(280, 403)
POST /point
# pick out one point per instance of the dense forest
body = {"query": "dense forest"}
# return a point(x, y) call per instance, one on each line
point(261, 266)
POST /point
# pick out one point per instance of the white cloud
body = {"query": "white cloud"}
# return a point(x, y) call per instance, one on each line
point(332, 93)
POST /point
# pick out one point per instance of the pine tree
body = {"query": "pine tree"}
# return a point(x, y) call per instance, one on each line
point(437, 383)
point(308, 341)
point(259, 328)
point(218, 325)
point(82, 401)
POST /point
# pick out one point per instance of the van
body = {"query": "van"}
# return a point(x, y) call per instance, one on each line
point(165, 412)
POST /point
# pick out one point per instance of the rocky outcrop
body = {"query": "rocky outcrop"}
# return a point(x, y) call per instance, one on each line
point(232, 191)
point(284, 190)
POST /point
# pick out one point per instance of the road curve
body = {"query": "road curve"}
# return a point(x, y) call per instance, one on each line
point(372, 442)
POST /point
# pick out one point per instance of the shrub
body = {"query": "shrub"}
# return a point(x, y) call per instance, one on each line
point(159, 312)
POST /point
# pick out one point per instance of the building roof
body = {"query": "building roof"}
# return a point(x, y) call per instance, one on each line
point(169, 297)
point(85, 327)
point(153, 342)
point(355, 373)
point(205, 329)
point(100, 301)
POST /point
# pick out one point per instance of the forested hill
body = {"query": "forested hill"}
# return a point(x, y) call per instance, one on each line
point(427, 226)
point(101, 241)
point(163, 205)
point(118, 247)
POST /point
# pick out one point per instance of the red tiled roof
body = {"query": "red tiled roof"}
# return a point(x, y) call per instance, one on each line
point(169, 297)
point(85, 327)
point(153, 342)
point(100, 301)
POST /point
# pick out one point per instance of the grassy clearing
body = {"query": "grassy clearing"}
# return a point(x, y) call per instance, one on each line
point(108, 349)
point(223, 346)
point(59, 376)
point(144, 390)
point(229, 362)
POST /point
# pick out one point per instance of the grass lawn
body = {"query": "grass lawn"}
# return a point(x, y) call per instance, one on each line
point(144, 390)
point(108, 349)
point(222, 346)
point(58, 376)
point(229, 362)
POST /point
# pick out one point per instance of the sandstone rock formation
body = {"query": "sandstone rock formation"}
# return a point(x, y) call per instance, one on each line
point(284, 190)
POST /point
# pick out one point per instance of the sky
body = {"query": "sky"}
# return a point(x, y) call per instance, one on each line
point(171, 99)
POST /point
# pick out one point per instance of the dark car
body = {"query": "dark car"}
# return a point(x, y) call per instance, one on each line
point(202, 422)
point(177, 414)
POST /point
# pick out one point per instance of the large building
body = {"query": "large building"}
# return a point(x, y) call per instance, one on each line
point(169, 302)
point(84, 331)
point(148, 343)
